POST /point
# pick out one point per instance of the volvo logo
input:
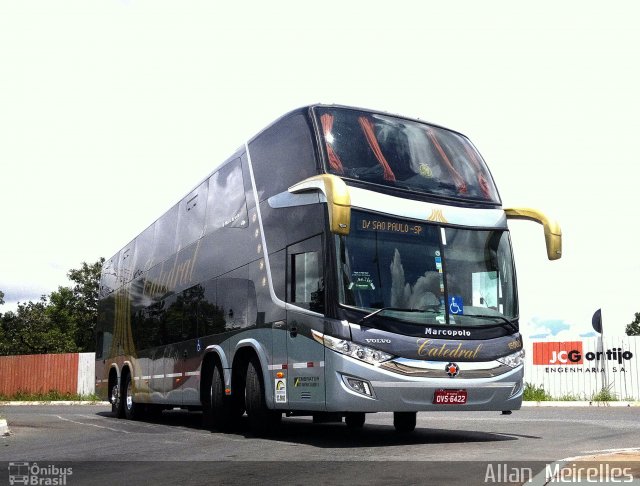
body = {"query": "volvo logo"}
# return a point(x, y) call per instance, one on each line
point(452, 370)
point(378, 341)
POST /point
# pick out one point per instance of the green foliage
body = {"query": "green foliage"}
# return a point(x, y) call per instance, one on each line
point(33, 330)
point(568, 397)
point(605, 395)
point(63, 322)
point(1, 298)
point(85, 302)
point(534, 393)
point(52, 395)
point(633, 329)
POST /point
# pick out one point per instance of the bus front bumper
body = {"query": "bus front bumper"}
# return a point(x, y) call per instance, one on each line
point(355, 386)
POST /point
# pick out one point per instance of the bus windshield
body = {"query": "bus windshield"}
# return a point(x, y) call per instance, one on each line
point(404, 154)
point(452, 276)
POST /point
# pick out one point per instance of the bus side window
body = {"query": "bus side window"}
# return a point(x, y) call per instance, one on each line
point(165, 235)
point(191, 216)
point(99, 344)
point(143, 252)
point(305, 278)
point(226, 206)
point(283, 154)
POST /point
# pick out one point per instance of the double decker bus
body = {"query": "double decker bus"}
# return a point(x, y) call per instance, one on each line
point(342, 262)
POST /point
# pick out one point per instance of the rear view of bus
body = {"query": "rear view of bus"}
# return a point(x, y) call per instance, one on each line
point(342, 262)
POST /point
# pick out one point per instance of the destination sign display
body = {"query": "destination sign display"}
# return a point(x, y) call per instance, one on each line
point(390, 226)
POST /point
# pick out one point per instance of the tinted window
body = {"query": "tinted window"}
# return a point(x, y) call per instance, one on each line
point(191, 300)
point(165, 235)
point(305, 275)
point(210, 316)
point(125, 272)
point(144, 252)
point(171, 320)
point(147, 326)
point(191, 215)
point(405, 154)
point(232, 301)
point(109, 276)
point(283, 155)
point(226, 205)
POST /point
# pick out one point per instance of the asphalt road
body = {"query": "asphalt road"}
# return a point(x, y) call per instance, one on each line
point(451, 448)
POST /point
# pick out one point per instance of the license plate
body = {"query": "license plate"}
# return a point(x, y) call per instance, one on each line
point(450, 397)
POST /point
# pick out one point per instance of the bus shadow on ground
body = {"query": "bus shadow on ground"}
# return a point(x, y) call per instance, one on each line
point(337, 435)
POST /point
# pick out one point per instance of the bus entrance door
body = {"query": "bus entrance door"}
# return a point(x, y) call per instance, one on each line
point(305, 376)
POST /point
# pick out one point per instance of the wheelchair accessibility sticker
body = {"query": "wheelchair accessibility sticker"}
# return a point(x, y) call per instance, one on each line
point(456, 305)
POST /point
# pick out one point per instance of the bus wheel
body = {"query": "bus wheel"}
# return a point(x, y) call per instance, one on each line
point(261, 419)
point(218, 410)
point(131, 409)
point(115, 397)
point(404, 421)
point(354, 420)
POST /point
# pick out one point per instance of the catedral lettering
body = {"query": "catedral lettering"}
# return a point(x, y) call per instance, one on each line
point(342, 260)
point(427, 348)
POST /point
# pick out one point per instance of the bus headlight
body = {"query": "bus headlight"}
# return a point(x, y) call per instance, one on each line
point(349, 348)
point(513, 360)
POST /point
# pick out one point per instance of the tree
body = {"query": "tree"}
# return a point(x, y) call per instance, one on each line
point(33, 330)
point(633, 329)
point(63, 322)
point(85, 302)
point(1, 297)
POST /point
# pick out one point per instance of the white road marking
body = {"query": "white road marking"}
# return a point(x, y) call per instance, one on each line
point(93, 425)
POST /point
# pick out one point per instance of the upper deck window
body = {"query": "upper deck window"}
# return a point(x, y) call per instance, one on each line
point(403, 153)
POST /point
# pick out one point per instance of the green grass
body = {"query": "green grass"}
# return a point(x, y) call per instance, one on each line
point(569, 398)
point(534, 393)
point(604, 395)
point(50, 396)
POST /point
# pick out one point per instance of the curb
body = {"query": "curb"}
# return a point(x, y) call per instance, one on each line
point(564, 404)
point(59, 402)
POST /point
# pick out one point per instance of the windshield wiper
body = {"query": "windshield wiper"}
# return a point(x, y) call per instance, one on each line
point(377, 311)
point(504, 321)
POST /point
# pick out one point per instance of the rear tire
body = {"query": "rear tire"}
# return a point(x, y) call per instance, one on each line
point(261, 419)
point(404, 422)
point(355, 420)
point(115, 397)
point(131, 409)
point(218, 409)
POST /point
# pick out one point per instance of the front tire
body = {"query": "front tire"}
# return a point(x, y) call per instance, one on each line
point(404, 422)
point(355, 420)
point(261, 419)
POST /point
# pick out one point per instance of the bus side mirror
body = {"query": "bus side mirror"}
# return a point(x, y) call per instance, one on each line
point(552, 231)
point(338, 199)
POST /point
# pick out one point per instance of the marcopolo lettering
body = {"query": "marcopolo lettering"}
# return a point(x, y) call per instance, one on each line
point(447, 332)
